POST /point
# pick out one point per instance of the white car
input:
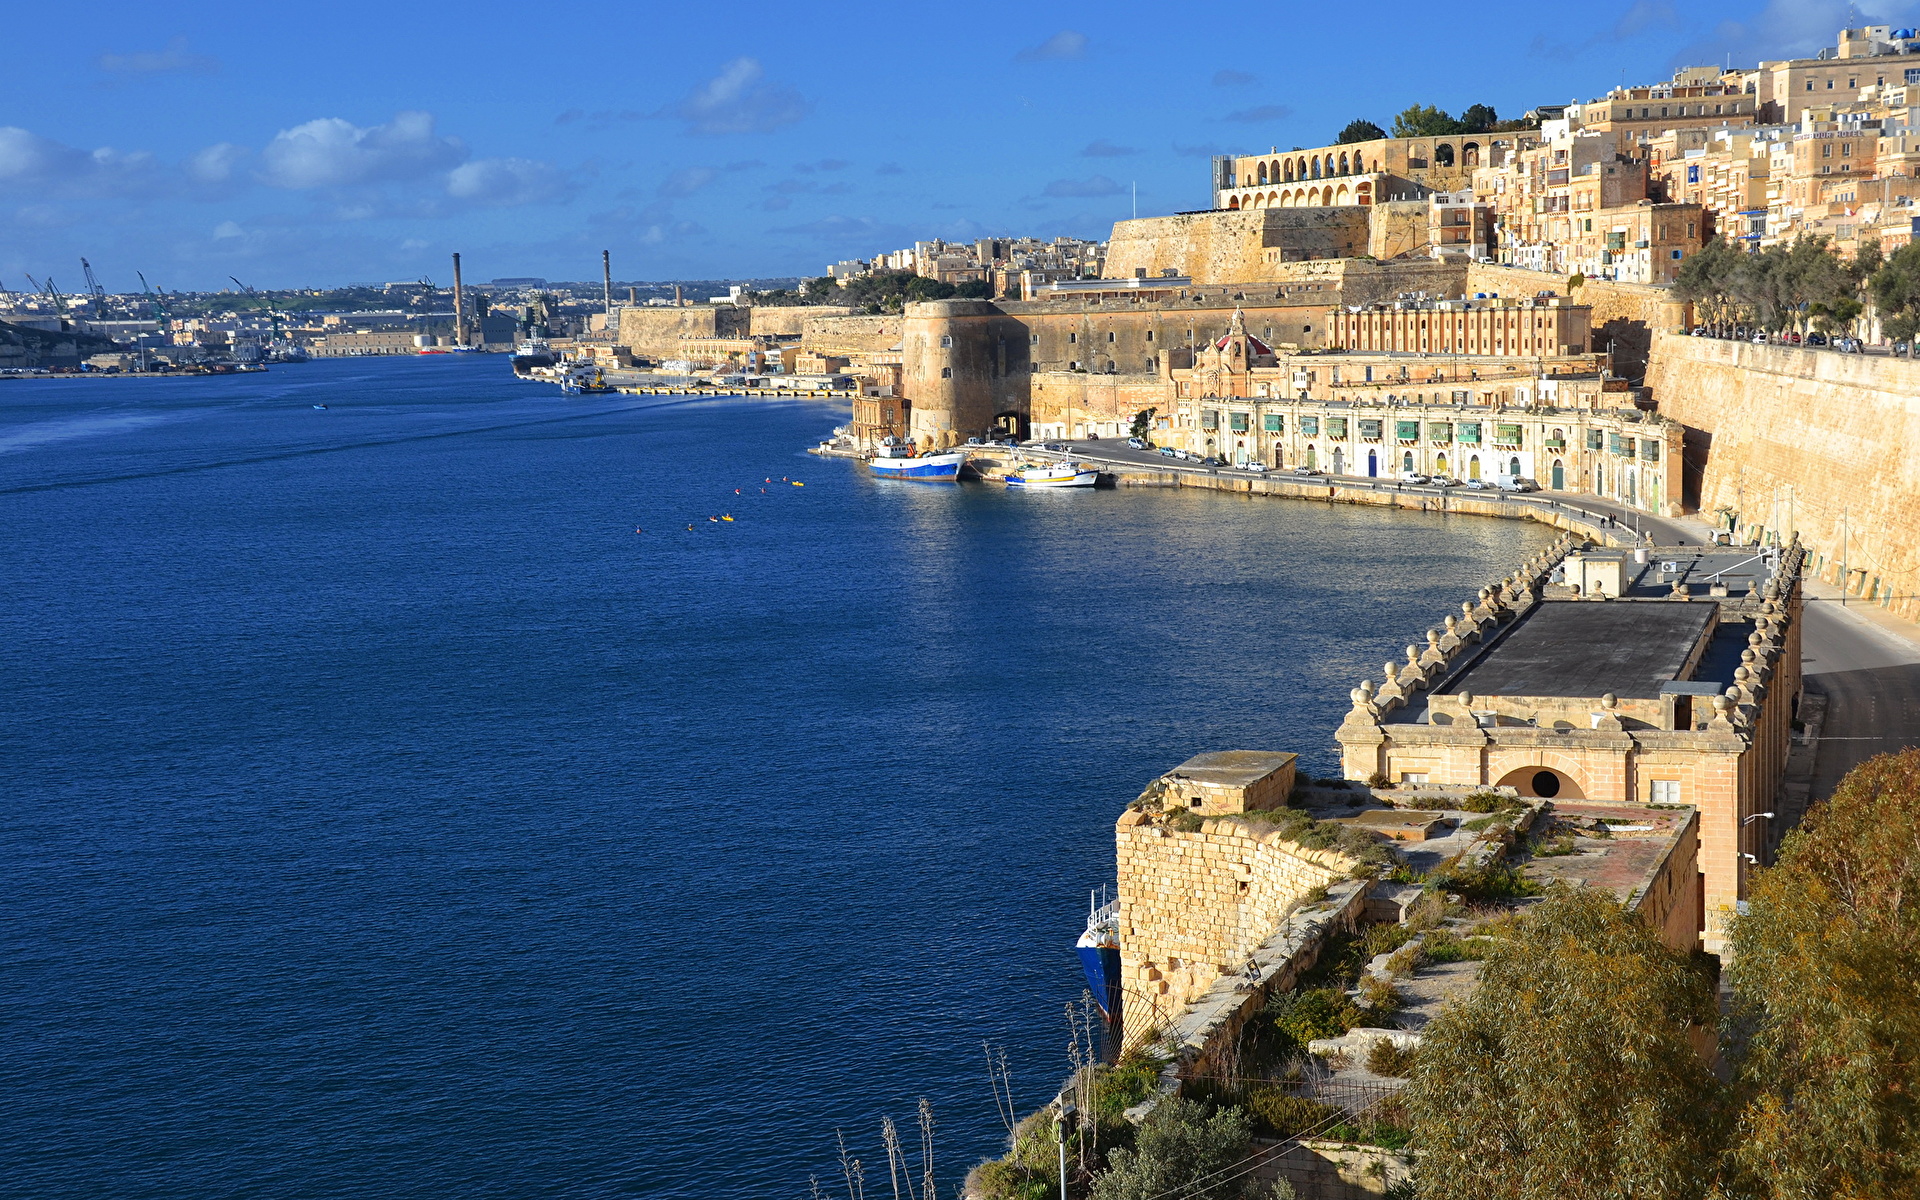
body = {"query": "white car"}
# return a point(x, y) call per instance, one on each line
point(1478, 485)
point(1258, 468)
point(1414, 477)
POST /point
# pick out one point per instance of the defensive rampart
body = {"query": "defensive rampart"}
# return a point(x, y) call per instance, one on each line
point(1782, 439)
point(1234, 247)
point(658, 332)
point(850, 335)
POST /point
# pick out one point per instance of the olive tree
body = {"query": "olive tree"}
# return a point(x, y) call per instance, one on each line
point(1825, 1031)
point(1571, 1072)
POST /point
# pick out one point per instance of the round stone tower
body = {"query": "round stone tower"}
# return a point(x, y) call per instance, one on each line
point(964, 371)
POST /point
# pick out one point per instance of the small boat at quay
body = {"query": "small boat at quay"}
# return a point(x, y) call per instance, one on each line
point(1054, 475)
point(1099, 951)
point(902, 460)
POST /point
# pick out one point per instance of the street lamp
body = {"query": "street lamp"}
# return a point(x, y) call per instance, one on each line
point(1066, 1110)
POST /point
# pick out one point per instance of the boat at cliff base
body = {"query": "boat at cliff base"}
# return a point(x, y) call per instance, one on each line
point(1054, 475)
point(1099, 951)
point(895, 459)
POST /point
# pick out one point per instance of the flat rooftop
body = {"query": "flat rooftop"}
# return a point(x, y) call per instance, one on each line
point(1233, 768)
point(1699, 567)
point(1589, 648)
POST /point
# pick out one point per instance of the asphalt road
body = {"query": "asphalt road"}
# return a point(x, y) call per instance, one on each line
point(1866, 663)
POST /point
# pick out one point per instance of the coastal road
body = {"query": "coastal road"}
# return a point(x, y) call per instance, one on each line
point(1865, 662)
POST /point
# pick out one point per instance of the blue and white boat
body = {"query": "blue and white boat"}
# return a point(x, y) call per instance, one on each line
point(901, 460)
point(1099, 951)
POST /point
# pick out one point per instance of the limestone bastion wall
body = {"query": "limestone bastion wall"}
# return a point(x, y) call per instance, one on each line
point(1234, 247)
point(849, 335)
point(657, 332)
point(1193, 906)
point(789, 320)
point(1786, 439)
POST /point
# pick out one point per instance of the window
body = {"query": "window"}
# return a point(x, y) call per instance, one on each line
point(1413, 777)
point(946, 341)
point(1149, 335)
point(946, 372)
point(1033, 339)
point(1072, 338)
point(1846, 149)
point(1826, 151)
point(1664, 791)
point(1275, 423)
point(1109, 337)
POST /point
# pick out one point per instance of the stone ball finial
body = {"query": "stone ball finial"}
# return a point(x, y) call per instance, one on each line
point(1723, 704)
point(1433, 638)
point(1366, 686)
point(1466, 699)
point(1393, 671)
point(1741, 675)
point(1413, 656)
point(1453, 622)
point(1609, 701)
point(1755, 638)
point(1747, 655)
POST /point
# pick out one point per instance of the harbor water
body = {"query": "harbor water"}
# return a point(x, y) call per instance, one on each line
point(403, 801)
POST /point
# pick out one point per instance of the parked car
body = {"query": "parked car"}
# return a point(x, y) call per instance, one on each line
point(1515, 483)
point(1169, 452)
point(1055, 447)
point(1138, 443)
point(1816, 339)
point(1210, 461)
point(1258, 468)
point(1414, 477)
point(1478, 485)
point(1758, 339)
point(973, 441)
point(1305, 471)
point(1445, 481)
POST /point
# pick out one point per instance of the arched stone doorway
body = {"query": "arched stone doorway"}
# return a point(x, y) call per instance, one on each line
point(1010, 424)
point(1559, 476)
point(1440, 463)
point(1373, 464)
point(1313, 459)
point(1544, 783)
point(1473, 467)
point(1406, 461)
point(1513, 466)
point(1339, 460)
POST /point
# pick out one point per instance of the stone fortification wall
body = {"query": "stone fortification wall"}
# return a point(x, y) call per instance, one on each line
point(849, 335)
point(784, 321)
point(1625, 315)
point(1194, 906)
point(1071, 404)
point(1234, 246)
point(1398, 227)
point(658, 332)
point(1786, 439)
point(965, 365)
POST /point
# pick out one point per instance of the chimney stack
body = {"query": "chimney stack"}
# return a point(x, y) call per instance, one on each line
point(606, 280)
point(677, 301)
point(459, 306)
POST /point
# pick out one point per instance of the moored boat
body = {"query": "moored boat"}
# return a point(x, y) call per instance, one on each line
point(1053, 475)
point(901, 460)
point(1099, 951)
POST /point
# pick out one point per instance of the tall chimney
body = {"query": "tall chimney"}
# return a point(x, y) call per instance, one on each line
point(633, 295)
point(677, 301)
point(606, 280)
point(459, 306)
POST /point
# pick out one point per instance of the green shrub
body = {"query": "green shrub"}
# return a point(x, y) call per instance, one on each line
point(1406, 960)
point(1388, 1059)
point(1278, 1114)
point(1381, 994)
point(1184, 1149)
point(1490, 802)
point(1558, 847)
point(1384, 939)
point(1490, 881)
point(1319, 1013)
point(1441, 946)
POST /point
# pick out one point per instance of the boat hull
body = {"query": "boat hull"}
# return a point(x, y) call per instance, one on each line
point(933, 468)
point(1077, 479)
point(1102, 966)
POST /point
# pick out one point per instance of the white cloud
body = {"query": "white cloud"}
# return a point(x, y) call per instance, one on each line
point(331, 152)
point(31, 162)
point(174, 60)
point(1067, 43)
point(215, 164)
point(228, 229)
point(506, 182)
point(738, 100)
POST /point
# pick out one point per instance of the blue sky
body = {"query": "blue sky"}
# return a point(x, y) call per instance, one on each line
point(316, 145)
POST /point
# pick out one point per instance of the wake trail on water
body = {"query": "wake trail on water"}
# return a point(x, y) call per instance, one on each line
point(303, 452)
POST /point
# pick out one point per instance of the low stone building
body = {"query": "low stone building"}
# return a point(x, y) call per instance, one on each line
point(1668, 677)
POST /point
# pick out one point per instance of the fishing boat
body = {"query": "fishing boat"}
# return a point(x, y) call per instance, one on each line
point(588, 382)
point(895, 459)
point(530, 354)
point(1053, 475)
point(1099, 951)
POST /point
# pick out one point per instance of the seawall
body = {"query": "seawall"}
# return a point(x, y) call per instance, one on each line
point(1782, 439)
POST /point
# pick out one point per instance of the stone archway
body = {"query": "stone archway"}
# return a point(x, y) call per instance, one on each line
point(1339, 460)
point(1542, 782)
point(1473, 467)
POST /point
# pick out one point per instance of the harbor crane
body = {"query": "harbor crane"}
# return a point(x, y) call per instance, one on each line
point(273, 314)
point(96, 295)
point(52, 294)
point(157, 303)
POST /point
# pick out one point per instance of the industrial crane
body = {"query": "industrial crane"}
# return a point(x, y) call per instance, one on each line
point(273, 314)
point(52, 294)
point(156, 302)
point(96, 295)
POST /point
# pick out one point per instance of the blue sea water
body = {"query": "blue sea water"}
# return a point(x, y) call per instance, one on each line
point(385, 816)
